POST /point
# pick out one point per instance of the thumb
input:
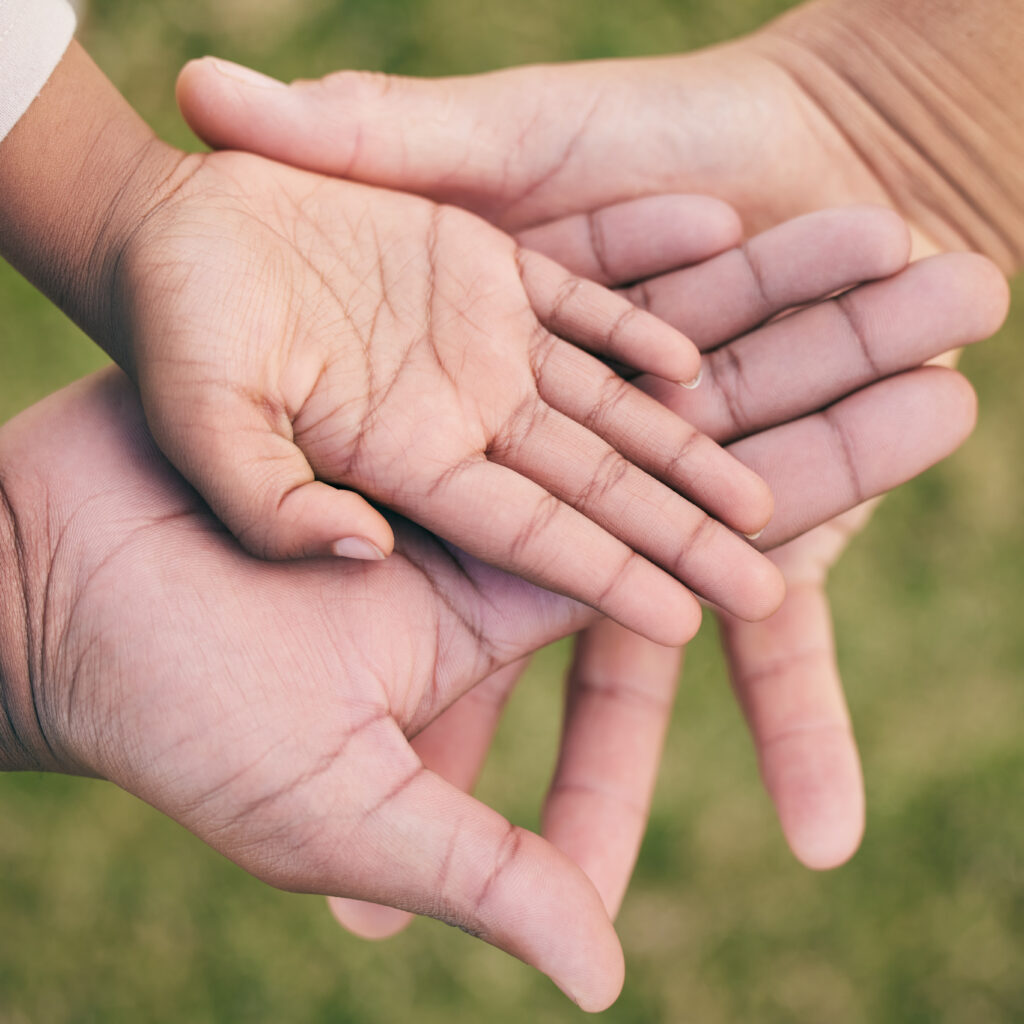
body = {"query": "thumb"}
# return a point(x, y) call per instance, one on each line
point(261, 487)
point(377, 825)
point(482, 142)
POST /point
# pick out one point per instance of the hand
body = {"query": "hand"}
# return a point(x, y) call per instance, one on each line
point(621, 686)
point(765, 123)
point(729, 122)
point(290, 332)
point(267, 706)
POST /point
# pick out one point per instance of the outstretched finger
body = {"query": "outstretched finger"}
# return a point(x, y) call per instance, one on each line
point(625, 242)
point(618, 704)
point(813, 357)
point(453, 746)
point(786, 679)
point(515, 524)
point(651, 436)
point(859, 448)
point(259, 484)
point(799, 261)
point(437, 137)
point(604, 322)
point(585, 472)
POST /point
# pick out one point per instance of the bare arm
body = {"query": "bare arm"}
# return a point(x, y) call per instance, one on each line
point(76, 173)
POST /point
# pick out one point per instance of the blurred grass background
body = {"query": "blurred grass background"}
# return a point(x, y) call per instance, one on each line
point(109, 913)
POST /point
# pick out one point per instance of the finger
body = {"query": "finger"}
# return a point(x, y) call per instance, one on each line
point(811, 358)
point(863, 446)
point(618, 704)
point(261, 487)
point(516, 525)
point(624, 242)
point(437, 137)
point(379, 826)
point(605, 323)
point(651, 436)
point(583, 471)
point(797, 262)
point(454, 746)
point(787, 681)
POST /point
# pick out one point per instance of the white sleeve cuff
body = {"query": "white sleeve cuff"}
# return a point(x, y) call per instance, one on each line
point(33, 37)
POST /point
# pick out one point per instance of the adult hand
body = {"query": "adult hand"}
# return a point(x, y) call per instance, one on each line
point(832, 104)
point(917, 105)
point(268, 707)
point(621, 687)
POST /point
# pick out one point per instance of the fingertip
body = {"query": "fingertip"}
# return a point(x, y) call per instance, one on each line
point(767, 590)
point(985, 289)
point(659, 349)
point(191, 70)
point(601, 988)
point(653, 603)
point(754, 509)
point(758, 593)
point(666, 232)
point(372, 921)
point(888, 235)
point(826, 847)
point(716, 222)
point(820, 799)
point(967, 398)
point(940, 388)
point(359, 548)
point(875, 239)
point(316, 520)
point(219, 99)
point(675, 622)
point(189, 90)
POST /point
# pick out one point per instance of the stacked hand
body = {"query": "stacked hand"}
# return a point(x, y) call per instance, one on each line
point(283, 711)
point(289, 332)
point(764, 123)
point(320, 722)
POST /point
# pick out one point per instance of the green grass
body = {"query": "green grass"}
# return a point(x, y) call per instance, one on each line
point(110, 913)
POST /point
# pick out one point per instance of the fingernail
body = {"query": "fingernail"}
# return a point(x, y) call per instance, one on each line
point(691, 384)
point(754, 536)
point(357, 547)
point(246, 76)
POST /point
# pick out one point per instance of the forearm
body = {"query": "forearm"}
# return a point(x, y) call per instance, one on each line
point(930, 93)
point(77, 173)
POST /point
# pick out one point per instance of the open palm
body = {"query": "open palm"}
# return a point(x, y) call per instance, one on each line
point(291, 332)
point(737, 121)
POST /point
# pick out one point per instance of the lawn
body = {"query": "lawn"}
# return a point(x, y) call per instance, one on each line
point(111, 913)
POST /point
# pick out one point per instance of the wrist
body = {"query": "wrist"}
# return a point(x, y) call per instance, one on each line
point(78, 174)
point(911, 91)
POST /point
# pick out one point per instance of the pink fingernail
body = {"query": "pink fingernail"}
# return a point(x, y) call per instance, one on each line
point(357, 547)
point(754, 536)
point(244, 75)
point(691, 384)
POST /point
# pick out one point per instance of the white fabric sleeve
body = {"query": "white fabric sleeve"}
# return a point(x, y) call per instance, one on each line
point(33, 37)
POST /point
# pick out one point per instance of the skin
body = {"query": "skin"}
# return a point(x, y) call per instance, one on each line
point(291, 334)
point(929, 410)
point(914, 105)
point(139, 643)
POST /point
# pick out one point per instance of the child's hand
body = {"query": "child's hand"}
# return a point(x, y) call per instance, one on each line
point(290, 332)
